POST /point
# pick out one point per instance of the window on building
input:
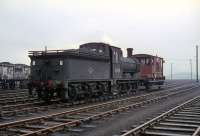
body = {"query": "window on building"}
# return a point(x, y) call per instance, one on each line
point(18, 69)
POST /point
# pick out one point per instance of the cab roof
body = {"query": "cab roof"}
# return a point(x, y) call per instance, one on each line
point(145, 56)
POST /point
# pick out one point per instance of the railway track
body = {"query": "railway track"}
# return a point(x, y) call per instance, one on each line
point(34, 107)
point(16, 97)
point(21, 97)
point(16, 100)
point(13, 96)
point(183, 120)
point(64, 120)
point(13, 92)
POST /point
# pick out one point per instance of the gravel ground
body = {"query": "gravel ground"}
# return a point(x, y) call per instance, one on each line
point(124, 121)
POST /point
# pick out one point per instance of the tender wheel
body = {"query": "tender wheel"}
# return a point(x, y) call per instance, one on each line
point(72, 93)
point(101, 89)
point(61, 94)
point(45, 95)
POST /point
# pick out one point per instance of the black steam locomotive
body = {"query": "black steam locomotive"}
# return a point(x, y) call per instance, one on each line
point(93, 70)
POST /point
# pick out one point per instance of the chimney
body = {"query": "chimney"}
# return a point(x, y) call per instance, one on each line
point(129, 52)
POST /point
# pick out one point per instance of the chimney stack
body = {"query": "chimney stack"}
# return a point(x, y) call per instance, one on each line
point(129, 52)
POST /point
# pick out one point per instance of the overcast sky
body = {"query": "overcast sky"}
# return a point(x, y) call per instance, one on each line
point(168, 28)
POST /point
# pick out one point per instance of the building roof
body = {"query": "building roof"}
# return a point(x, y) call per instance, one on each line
point(11, 64)
point(6, 63)
point(19, 64)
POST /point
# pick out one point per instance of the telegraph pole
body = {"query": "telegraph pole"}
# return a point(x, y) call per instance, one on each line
point(191, 69)
point(171, 71)
point(45, 48)
point(197, 76)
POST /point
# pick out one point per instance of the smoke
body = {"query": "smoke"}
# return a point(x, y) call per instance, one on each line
point(108, 39)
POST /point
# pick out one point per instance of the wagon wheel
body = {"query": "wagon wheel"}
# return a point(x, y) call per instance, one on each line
point(87, 92)
point(45, 95)
point(61, 93)
point(101, 89)
point(72, 92)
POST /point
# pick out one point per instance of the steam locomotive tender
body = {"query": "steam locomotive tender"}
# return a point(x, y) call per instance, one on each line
point(93, 70)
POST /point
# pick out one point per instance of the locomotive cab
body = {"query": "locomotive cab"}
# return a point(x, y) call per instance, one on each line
point(97, 48)
point(151, 69)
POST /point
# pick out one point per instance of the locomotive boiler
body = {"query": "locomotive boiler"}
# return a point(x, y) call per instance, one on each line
point(93, 70)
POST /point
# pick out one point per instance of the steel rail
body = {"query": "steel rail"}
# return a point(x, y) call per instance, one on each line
point(16, 100)
point(5, 100)
point(5, 109)
point(12, 110)
point(60, 126)
point(140, 129)
point(197, 132)
point(100, 115)
point(14, 93)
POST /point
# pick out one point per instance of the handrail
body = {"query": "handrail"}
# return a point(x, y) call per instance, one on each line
point(67, 52)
